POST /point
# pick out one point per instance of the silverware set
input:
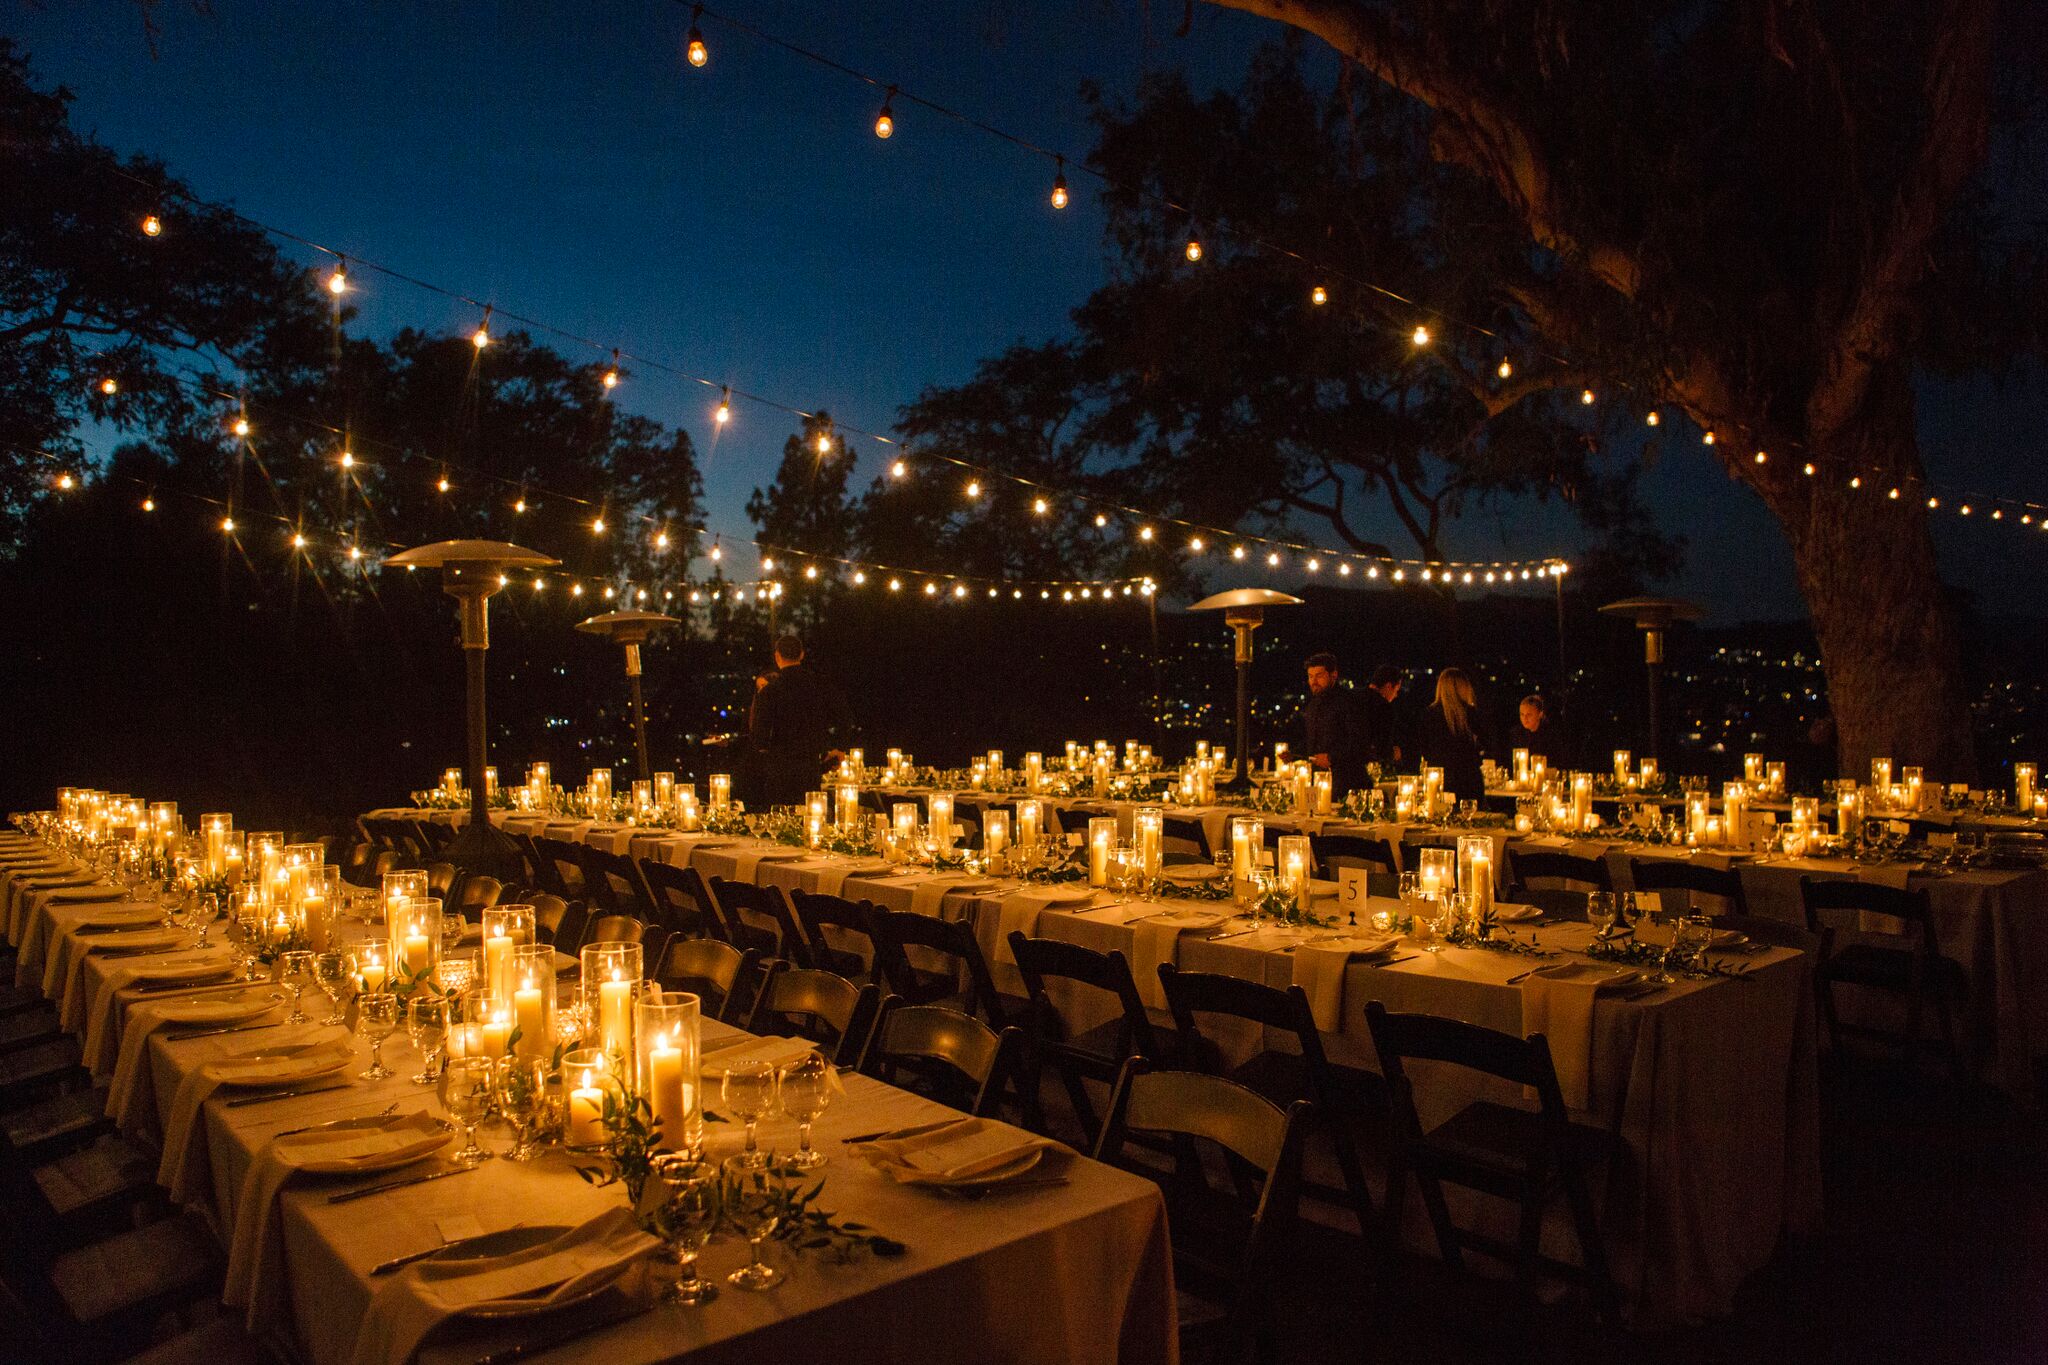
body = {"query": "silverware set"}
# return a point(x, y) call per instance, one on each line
point(270, 1096)
point(347, 1196)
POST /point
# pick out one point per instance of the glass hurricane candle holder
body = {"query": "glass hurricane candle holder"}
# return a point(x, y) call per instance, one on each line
point(1030, 824)
point(1247, 843)
point(719, 787)
point(1436, 872)
point(611, 971)
point(400, 887)
point(414, 933)
point(846, 806)
point(1148, 836)
point(1101, 844)
point(940, 806)
point(2023, 777)
point(1293, 864)
point(587, 1081)
point(666, 1057)
point(506, 929)
point(995, 837)
point(530, 979)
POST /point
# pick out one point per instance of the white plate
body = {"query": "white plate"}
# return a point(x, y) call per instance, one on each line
point(434, 1134)
point(509, 1242)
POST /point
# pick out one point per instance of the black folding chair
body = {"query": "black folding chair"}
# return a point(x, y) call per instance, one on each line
point(947, 1055)
point(821, 1006)
point(1097, 1054)
point(1912, 969)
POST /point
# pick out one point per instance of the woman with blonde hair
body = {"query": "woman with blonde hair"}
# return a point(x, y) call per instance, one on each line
point(1451, 735)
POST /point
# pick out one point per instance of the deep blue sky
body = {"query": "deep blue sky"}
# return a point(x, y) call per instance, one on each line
point(744, 222)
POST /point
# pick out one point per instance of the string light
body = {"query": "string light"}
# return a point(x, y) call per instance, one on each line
point(1807, 470)
point(337, 278)
point(974, 488)
point(1194, 247)
point(1651, 417)
point(885, 122)
point(1707, 438)
point(931, 590)
point(348, 459)
point(1237, 552)
point(1145, 534)
point(355, 552)
point(1856, 481)
point(859, 578)
point(810, 571)
point(1195, 544)
point(1763, 457)
point(1313, 565)
point(1040, 506)
point(661, 540)
point(609, 592)
point(1059, 185)
point(717, 551)
point(152, 226)
point(227, 524)
point(241, 426)
point(576, 590)
point(110, 386)
point(1100, 521)
point(1586, 397)
point(611, 375)
point(149, 504)
point(65, 482)
point(597, 524)
point(298, 541)
point(693, 47)
point(481, 337)
point(519, 506)
point(1505, 369)
point(767, 564)
point(441, 484)
point(1319, 296)
point(723, 412)
point(959, 591)
point(1344, 570)
point(1273, 560)
point(898, 470)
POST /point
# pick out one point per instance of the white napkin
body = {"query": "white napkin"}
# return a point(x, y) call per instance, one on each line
point(831, 878)
point(1506, 913)
point(1558, 1003)
point(1019, 911)
point(183, 1169)
point(777, 1052)
point(1319, 966)
point(96, 1013)
point(420, 1297)
point(131, 1093)
point(956, 1152)
point(255, 1275)
point(926, 897)
point(1157, 940)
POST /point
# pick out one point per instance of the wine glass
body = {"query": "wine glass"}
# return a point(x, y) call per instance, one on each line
point(296, 972)
point(330, 974)
point(377, 1017)
point(805, 1089)
point(1601, 912)
point(452, 929)
point(749, 1092)
point(754, 1200)
point(1628, 911)
point(522, 1089)
point(426, 1023)
point(467, 1086)
point(685, 1217)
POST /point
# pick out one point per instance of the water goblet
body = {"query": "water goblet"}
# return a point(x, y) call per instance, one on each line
point(1600, 913)
point(754, 1199)
point(377, 1018)
point(426, 1024)
point(522, 1091)
point(468, 1085)
point(685, 1214)
point(295, 971)
point(805, 1089)
point(330, 974)
point(749, 1092)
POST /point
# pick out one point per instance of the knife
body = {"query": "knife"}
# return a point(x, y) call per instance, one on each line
point(567, 1334)
point(188, 987)
point(248, 1100)
point(913, 1131)
point(216, 1032)
point(400, 1262)
point(366, 1191)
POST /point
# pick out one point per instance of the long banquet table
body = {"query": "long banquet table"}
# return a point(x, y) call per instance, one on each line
point(1072, 1272)
point(1711, 1084)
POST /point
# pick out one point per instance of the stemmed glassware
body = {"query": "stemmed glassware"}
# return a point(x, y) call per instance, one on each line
point(805, 1089)
point(749, 1092)
point(754, 1198)
point(1601, 912)
point(330, 974)
point(295, 971)
point(426, 1024)
point(467, 1087)
point(522, 1091)
point(377, 1017)
point(685, 1216)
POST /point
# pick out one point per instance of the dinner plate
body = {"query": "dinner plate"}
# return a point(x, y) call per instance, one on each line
point(316, 1067)
point(434, 1134)
point(1008, 1171)
point(201, 1009)
point(1593, 972)
point(511, 1241)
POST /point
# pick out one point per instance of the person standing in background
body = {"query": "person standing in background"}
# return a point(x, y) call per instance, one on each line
point(800, 724)
point(1386, 730)
point(1333, 726)
point(1534, 731)
point(1450, 737)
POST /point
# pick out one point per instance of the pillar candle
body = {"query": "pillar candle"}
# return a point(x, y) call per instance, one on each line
point(313, 914)
point(2023, 786)
point(1149, 827)
point(498, 966)
point(720, 787)
point(1753, 768)
point(586, 1114)
point(1101, 842)
point(849, 805)
point(1848, 813)
point(1623, 760)
point(995, 835)
point(1481, 889)
point(1030, 823)
point(529, 1015)
point(614, 1014)
point(941, 804)
point(668, 1094)
point(494, 1034)
point(1034, 771)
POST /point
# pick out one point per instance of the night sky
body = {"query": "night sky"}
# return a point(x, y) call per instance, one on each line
point(743, 222)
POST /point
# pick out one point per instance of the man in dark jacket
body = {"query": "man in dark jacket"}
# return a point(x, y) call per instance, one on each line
point(1387, 741)
point(1334, 727)
point(800, 724)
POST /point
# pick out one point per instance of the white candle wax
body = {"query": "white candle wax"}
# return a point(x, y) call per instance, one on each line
point(614, 1001)
point(586, 1115)
point(497, 966)
point(530, 1015)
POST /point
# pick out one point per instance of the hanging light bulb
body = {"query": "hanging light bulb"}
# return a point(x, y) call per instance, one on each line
point(1505, 369)
point(348, 459)
point(1344, 570)
point(1059, 185)
point(723, 412)
point(110, 386)
point(1194, 246)
point(152, 226)
point(609, 592)
point(810, 571)
point(693, 46)
point(1586, 397)
point(1040, 506)
point(767, 564)
point(241, 425)
point(1145, 534)
point(1101, 520)
point(1420, 336)
point(885, 122)
point(974, 488)
point(611, 375)
point(519, 506)
point(65, 482)
point(481, 337)
point(1273, 560)
point(576, 590)
point(1319, 295)
point(441, 484)
point(931, 590)
point(355, 552)
point(1707, 438)
point(149, 504)
point(597, 525)
point(824, 443)
point(1237, 552)
point(1195, 545)
point(1651, 417)
point(959, 590)
point(1763, 457)
point(337, 278)
point(1313, 565)
point(228, 524)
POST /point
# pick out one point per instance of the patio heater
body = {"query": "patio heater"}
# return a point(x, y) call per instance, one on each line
point(1653, 616)
point(471, 570)
point(1244, 610)
point(630, 629)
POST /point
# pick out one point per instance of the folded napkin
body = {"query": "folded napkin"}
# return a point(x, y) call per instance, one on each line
point(131, 1093)
point(135, 943)
point(747, 861)
point(255, 1277)
point(183, 1170)
point(777, 1052)
point(422, 1296)
point(1557, 1002)
point(926, 897)
point(1190, 874)
point(1156, 940)
point(832, 878)
point(117, 916)
point(954, 1153)
point(1019, 911)
point(96, 1013)
point(1506, 913)
point(1319, 970)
